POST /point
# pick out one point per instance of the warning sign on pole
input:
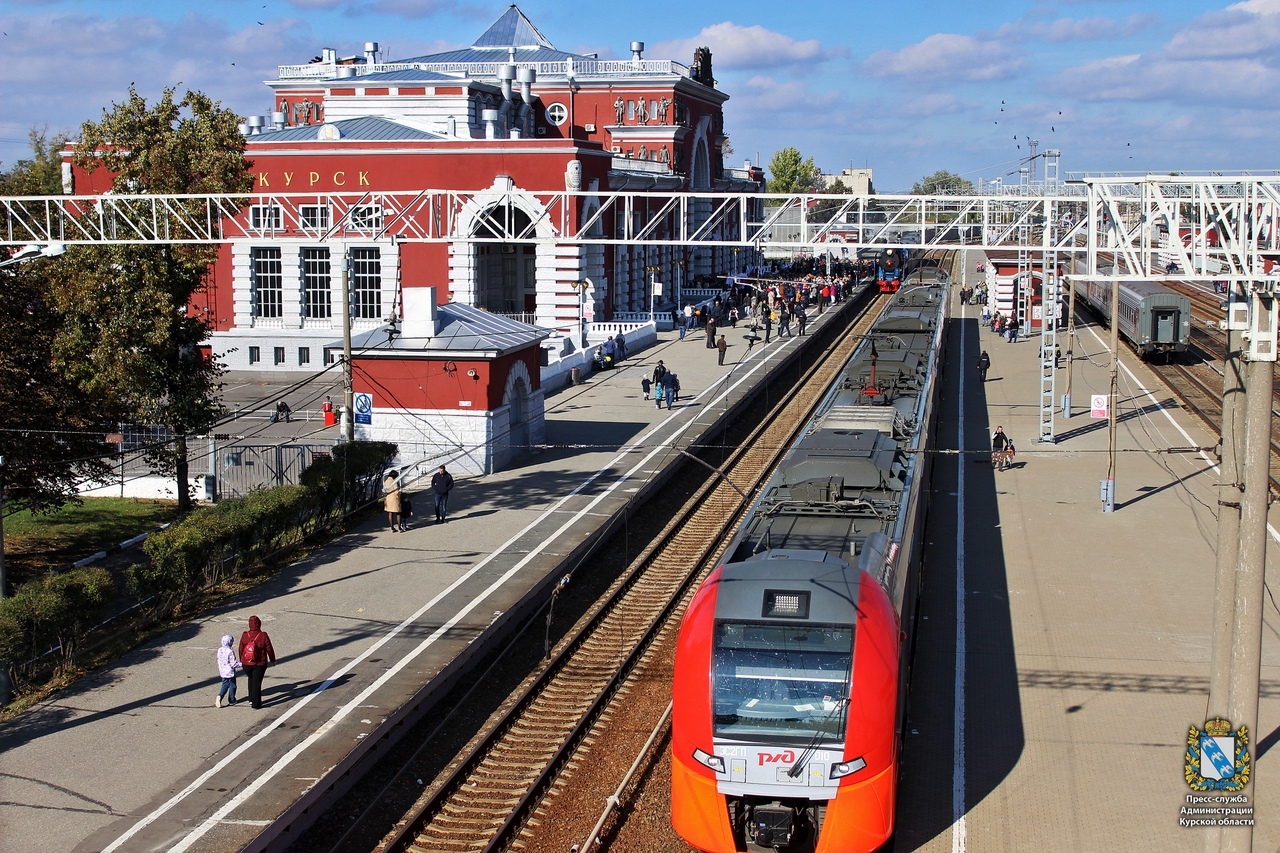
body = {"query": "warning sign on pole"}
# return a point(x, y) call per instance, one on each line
point(1098, 406)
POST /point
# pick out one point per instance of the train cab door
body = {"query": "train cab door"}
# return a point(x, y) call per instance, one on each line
point(1164, 322)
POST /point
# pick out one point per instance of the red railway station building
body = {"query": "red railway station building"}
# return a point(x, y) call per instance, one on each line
point(501, 120)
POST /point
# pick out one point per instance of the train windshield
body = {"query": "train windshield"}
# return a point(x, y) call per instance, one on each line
point(777, 681)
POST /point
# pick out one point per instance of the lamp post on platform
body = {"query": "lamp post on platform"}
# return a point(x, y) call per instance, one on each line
point(580, 287)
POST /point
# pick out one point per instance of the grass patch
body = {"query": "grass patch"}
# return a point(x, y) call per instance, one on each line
point(36, 543)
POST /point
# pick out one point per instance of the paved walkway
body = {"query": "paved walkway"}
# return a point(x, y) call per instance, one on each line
point(1053, 692)
point(135, 756)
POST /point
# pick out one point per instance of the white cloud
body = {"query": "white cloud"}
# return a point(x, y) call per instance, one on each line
point(736, 47)
point(1060, 30)
point(1225, 58)
point(948, 56)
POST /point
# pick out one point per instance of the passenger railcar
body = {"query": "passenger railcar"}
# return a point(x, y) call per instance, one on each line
point(891, 265)
point(793, 658)
point(1153, 318)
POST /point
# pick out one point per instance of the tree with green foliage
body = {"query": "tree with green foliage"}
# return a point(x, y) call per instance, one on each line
point(942, 182)
point(127, 335)
point(52, 430)
point(791, 172)
point(41, 174)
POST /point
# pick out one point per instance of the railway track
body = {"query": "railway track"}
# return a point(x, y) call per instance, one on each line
point(486, 798)
point(1198, 383)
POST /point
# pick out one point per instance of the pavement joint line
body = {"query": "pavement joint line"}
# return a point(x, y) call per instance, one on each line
point(219, 816)
point(1213, 465)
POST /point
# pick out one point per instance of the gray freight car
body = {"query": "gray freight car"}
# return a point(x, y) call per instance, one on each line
point(1153, 319)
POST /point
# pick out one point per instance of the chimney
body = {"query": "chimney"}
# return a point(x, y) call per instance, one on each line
point(490, 119)
point(256, 124)
point(278, 120)
point(420, 319)
point(370, 53)
point(637, 50)
point(506, 73)
point(527, 77)
point(328, 56)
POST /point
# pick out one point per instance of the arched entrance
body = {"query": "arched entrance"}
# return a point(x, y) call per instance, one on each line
point(506, 273)
point(518, 416)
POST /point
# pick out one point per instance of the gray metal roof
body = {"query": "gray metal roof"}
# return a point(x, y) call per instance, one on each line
point(366, 129)
point(414, 75)
point(513, 29)
point(523, 54)
point(463, 328)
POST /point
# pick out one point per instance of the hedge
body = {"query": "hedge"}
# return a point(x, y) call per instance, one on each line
point(214, 542)
point(57, 612)
point(52, 614)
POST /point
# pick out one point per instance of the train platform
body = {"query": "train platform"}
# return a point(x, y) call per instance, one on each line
point(1063, 653)
point(368, 628)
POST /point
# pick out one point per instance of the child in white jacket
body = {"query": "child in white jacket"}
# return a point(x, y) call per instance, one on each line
point(227, 666)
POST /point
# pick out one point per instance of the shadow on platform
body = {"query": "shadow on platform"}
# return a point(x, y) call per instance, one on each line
point(992, 706)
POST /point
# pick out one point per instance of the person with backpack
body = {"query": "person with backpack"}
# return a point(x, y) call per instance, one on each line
point(227, 667)
point(256, 654)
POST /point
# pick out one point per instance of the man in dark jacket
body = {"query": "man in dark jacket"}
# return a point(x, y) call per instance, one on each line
point(441, 484)
point(984, 364)
point(256, 654)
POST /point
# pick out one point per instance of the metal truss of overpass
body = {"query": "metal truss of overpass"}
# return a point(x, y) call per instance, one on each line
point(1123, 228)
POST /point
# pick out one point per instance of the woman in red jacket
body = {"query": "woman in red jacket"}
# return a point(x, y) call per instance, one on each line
point(255, 654)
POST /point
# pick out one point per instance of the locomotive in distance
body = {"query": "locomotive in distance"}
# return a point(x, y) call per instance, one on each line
point(793, 658)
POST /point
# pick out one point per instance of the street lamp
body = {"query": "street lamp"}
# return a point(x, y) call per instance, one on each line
point(33, 251)
point(652, 270)
point(581, 288)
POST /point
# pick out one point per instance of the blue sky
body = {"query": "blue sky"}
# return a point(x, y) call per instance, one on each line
point(905, 88)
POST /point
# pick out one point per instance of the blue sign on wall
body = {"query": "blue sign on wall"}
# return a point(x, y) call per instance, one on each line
point(364, 408)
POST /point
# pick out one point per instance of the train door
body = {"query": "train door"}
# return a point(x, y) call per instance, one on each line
point(1164, 325)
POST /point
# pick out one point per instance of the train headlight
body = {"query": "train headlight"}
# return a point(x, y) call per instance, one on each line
point(846, 768)
point(706, 759)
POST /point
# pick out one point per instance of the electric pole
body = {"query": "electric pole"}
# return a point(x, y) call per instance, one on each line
point(348, 389)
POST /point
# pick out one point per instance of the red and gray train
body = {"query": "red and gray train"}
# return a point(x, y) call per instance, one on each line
point(793, 659)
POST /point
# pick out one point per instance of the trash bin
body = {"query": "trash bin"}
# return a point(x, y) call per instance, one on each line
point(575, 376)
point(330, 418)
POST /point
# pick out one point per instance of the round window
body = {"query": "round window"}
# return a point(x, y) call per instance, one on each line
point(556, 114)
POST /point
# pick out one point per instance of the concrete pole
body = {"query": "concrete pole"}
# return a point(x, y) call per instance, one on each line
point(1109, 485)
point(348, 388)
point(1071, 337)
point(1229, 493)
point(1246, 642)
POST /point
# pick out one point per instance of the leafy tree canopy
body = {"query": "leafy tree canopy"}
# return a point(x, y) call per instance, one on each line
point(942, 182)
point(791, 172)
point(127, 336)
point(41, 173)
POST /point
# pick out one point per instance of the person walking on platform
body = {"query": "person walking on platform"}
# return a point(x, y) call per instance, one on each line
point(711, 333)
point(228, 664)
point(722, 345)
point(671, 387)
point(1001, 449)
point(621, 341)
point(645, 385)
point(802, 318)
point(256, 654)
point(984, 364)
point(391, 500)
point(659, 387)
point(1011, 333)
point(784, 323)
point(442, 485)
point(766, 314)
